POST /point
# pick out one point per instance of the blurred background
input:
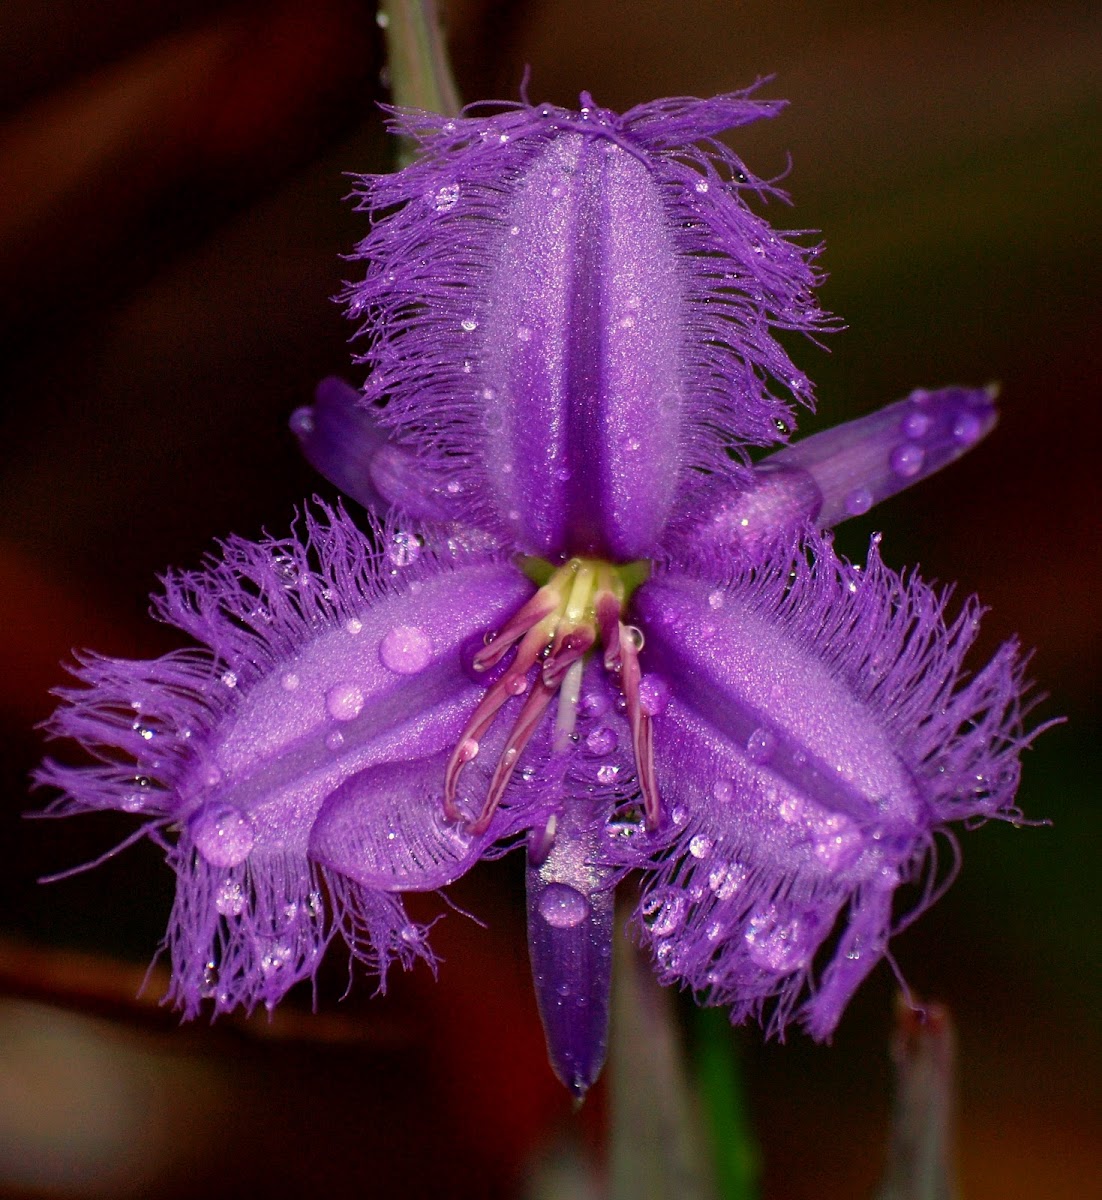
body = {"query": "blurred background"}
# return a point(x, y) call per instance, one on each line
point(171, 222)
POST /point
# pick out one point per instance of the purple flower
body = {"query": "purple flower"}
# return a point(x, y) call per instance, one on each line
point(587, 624)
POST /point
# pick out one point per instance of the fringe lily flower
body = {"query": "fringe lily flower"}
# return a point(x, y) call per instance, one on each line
point(586, 624)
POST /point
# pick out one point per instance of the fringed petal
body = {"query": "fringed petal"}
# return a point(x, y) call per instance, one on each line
point(821, 731)
point(563, 309)
point(322, 660)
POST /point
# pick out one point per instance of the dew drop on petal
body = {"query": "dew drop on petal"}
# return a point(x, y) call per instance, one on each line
point(726, 879)
point(289, 682)
point(353, 626)
point(701, 846)
point(715, 599)
point(222, 834)
point(915, 425)
point(664, 911)
point(601, 741)
point(607, 773)
point(654, 695)
point(403, 548)
point(966, 428)
point(723, 790)
point(906, 460)
point(595, 704)
point(334, 740)
point(760, 746)
point(468, 324)
point(302, 422)
point(345, 701)
point(229, 679)
point(562, 906)
point(446, 198)
point(858, 501)
point(776, 944)
point(229, 899)
point(405, 650)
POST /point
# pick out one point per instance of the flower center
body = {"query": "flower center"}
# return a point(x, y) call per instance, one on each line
point(578, 604)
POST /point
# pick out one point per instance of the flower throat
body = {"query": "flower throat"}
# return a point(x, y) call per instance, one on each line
point(579, 603)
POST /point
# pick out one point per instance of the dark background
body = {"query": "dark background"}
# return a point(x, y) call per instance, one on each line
point(170, 225)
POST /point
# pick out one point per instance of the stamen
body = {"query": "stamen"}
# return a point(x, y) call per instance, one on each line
point(580, 601)
point(534, 708)
point(642, 735)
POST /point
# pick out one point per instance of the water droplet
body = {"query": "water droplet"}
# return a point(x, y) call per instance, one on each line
point(405, 650)
point(211, 775)
point(858, 501)
point(229, 679)
point(715, 599)
point(723, 790)
point(353, 626)
point(726, 879)
point(915, 425)
point(635, 635)
point(302, 421)
point(701, 846)
point(275, 960)
point(664, 911)
point(906, 460)
point(222, 834)
point(229, 899)
point(334, 740)
point(345, 701)
point(446, 197)
point(562, 906)
point(289, 682)
point(654, 695)
point(701, 186)
point(468, 324)
point(601, 741)
point(453, 487)
point(382, 19)
point(967, 428)
point(776, 944)
point(285, 570)
point(595, 704)
point(761, 745)
point(403, 548)
point(607, 774)
point(791, 809)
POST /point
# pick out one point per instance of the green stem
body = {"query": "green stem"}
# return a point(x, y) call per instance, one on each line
point(417, 56)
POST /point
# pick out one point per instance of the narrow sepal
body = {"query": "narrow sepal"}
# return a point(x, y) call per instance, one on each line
point(837, 474)
point(342, 438)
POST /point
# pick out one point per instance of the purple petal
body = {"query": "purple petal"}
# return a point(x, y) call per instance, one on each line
point(570, 910)
point(342, 438)
point(820, 731)
point(838, 474)
point(564, 309)
point(385, 828)
point(322, 660)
